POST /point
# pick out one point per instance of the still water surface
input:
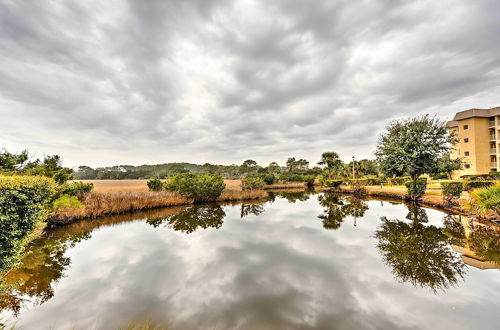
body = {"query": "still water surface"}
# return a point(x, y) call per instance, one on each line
point(295, 261)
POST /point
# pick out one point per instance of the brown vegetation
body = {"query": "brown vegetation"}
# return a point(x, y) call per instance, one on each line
point(139, 185)
point(98, 204)
point(286, 185)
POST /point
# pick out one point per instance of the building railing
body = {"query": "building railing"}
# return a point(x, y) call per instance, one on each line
point(492, 137)
point(493, 151)
point(493, 164)
point(491, 123)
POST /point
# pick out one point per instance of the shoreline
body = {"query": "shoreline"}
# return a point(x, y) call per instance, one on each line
point(130, 202)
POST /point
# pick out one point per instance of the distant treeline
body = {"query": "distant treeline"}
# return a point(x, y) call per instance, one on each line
point(248, 167)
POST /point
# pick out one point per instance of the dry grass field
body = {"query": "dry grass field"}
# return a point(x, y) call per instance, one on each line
point(105, 186)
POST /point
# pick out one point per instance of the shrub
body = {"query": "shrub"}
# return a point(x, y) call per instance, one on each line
point(199, 187)
point(486, 199)
point(358, 182)
point(440, 176)
point(155, 185)
point(66, 202)
point(24, 202)
point(76, 188)
point(268, 178)
point(309, 179)
point(451, 189)
point(471, 185)
point(333, 183)
point(290, 177)
point(252, 183)
point(415, 190)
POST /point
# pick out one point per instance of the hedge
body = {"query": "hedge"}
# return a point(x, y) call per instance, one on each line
point(399, 181)
point(470, 185)
point(364, 182)
point(24, 202)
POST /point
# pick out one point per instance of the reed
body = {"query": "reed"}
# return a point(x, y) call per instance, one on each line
point(97, 204)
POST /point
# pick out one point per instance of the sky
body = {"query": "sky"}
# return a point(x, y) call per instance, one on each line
point(144, 82)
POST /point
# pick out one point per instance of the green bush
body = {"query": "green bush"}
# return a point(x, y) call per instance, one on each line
point(332, 183)
point(24, 202)
point(364, 182)
point(66, 202)
point(199, 187)
point(155, 185)
point(76, 188)
point(452, 189)
point(440, 176)
point(290, 177)
point(252, 183)
point(482, 177)
point(415, 190)
point(309, 179)
point(471, 185)
point(268, 178)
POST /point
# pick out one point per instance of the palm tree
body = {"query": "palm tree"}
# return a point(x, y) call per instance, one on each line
point(333, 164)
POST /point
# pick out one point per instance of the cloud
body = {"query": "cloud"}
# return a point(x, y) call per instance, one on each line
point(222, 81)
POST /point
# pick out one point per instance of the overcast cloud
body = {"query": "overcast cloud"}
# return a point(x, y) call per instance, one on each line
point(221, 81)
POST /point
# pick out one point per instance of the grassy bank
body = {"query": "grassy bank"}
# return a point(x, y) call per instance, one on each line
point(97, 204)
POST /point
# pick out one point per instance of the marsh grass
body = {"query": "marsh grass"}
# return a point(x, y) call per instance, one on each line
point(97, 204)
point(285, 185)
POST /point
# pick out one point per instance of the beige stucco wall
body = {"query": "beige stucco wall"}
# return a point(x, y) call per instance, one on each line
point(478, 146)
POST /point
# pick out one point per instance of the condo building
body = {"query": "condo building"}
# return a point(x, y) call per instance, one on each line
point(478, 131)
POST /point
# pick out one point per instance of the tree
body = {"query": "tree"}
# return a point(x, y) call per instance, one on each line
point(291, 163)
point(11, 161)
point(274, 168)
point(333, 165)
point(52, 167)
point(414, 147)
point(249, 163)
point(447, 165)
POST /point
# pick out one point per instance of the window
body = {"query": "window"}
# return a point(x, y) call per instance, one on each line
point(467, 165)
point(466, 126)
point(466, 140)
point(466, 153)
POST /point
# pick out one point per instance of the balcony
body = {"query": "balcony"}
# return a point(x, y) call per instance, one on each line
point(493, 164)
point(492, 137)
point(493, 151)
point(491, 123)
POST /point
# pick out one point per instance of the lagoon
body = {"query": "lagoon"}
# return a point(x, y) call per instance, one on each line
point(298, 260)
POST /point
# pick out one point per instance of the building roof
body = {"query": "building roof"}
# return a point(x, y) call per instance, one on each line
point(473, 113)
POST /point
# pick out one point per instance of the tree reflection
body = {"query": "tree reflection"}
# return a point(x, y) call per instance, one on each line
point(255, 209)
point(293, 196)
point(417, 253)
point(39, 271)
point(336, 208)
point(192, 218)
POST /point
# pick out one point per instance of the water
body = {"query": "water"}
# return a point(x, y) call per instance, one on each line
point(296, 261)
